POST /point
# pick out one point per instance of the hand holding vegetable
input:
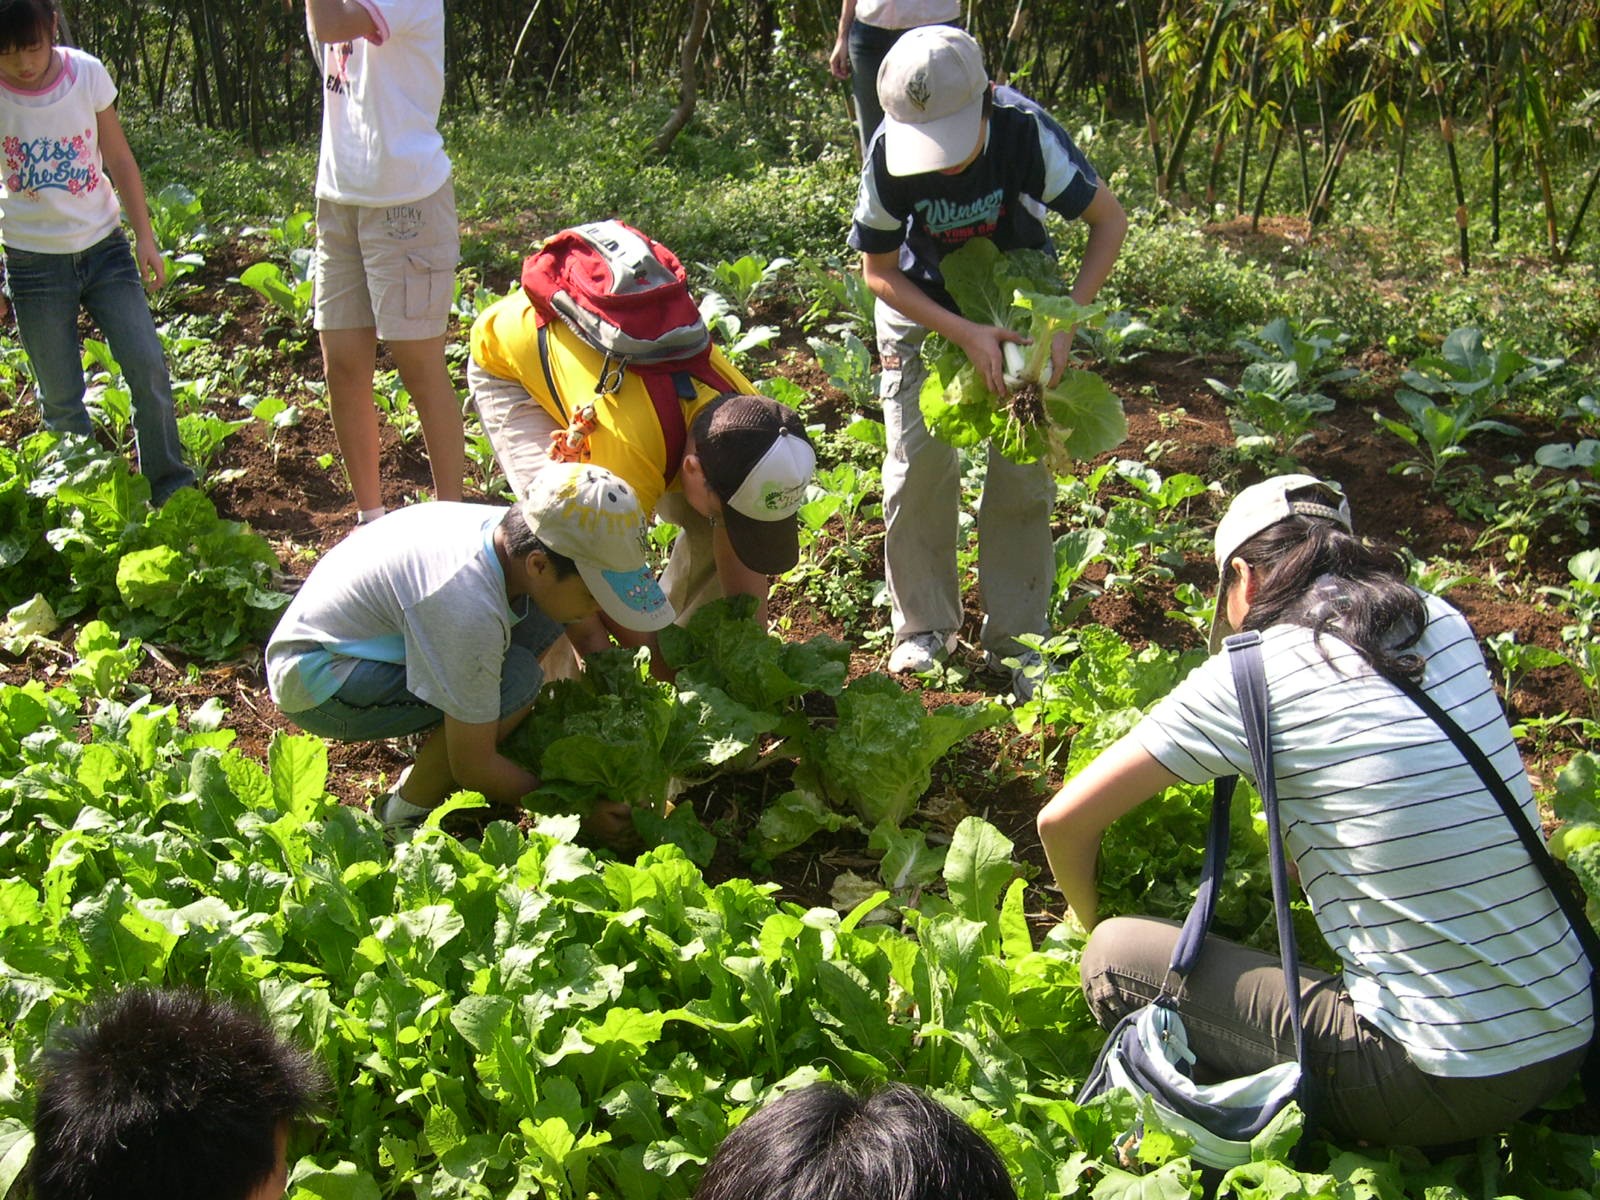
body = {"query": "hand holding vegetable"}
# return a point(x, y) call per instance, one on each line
point(992, 350)
point(1012, 303)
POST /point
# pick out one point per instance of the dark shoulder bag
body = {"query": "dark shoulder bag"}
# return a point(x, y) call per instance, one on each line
point(1148, 1051)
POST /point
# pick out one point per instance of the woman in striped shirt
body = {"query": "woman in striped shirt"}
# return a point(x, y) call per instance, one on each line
point(1463, 995)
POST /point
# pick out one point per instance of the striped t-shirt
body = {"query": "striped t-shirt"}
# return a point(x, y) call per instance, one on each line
point(1449, 939)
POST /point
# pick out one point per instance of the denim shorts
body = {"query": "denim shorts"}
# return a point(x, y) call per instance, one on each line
point(374, 703)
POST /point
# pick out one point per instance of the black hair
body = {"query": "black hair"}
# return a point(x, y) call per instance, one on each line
point(522, 541)
point(1315, 573)
point(166, 1095)
point(824, 1142)
point(25, 23)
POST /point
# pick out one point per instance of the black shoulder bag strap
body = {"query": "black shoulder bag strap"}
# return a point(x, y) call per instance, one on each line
point(549, 376)
point(1250, 681)
point(1571, 906)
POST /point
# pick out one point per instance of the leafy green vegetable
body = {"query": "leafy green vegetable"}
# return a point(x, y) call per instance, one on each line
point(723, 646)
point(616, 733)
point(1020, 290)
point(512, 1017)
point(878, 759)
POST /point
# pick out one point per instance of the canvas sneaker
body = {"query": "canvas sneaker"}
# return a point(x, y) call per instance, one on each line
point(1024, 677)
point(390, 808)
point(921, 652)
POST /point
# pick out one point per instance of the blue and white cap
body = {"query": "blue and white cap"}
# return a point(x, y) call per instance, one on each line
point(593, 517)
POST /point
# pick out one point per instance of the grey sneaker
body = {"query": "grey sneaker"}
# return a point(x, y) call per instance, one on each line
point(1024, 677)
point(921, 652)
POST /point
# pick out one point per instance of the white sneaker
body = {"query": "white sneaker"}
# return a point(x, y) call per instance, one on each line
point(393, 821)
point(921, 652)
point(1024, 677)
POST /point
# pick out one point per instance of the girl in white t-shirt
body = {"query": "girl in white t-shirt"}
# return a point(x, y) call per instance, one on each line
point(1463, 994)
point(61, 230)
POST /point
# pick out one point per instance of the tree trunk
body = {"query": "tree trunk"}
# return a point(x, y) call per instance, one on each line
point(688, 80)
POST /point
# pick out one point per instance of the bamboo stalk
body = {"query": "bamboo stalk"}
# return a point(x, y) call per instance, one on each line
point(1266, 178)
point(1147, 98)
point(1405, 144)
point(1208, 56)
point(1583, 208)
point(1251, 92)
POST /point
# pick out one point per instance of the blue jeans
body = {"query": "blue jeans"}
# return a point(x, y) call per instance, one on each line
point(373, 702)
point(46, 291)
point(868, 44)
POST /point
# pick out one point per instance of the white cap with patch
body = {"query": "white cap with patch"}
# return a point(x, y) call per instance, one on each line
point(931, 85)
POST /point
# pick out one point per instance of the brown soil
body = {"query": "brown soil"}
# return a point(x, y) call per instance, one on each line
point(283, 489)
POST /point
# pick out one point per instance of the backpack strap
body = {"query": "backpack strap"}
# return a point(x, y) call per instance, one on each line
point(544, 365)
point(671, 392)
point(1250, 682)
point(667, 399)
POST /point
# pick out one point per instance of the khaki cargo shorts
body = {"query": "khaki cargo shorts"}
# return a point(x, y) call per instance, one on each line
point(391, 268)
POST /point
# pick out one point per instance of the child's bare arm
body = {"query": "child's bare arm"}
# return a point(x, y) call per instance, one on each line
point(124, 171)
point(1108, 226)
point(980, 342)
point(341, 20)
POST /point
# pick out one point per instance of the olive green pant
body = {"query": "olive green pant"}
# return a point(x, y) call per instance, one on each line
point(1363, 1085)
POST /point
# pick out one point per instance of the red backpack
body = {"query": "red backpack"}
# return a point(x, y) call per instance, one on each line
point(627, 296)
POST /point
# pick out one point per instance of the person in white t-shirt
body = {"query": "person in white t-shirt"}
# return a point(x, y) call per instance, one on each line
point(387, 238)
point(1463, 998)
point(435, 620)
point(867, 29)
point(64, 247)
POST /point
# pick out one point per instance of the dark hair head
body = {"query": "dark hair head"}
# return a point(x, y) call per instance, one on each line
point(522, 541)
point(25, 23)
point(1313, 572)
point(166, 1095)
point(826, 1143)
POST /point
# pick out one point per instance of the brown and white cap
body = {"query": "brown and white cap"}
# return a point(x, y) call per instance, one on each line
point(759, 461)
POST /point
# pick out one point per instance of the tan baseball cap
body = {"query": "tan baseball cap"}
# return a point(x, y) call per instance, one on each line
point(931, 85)
point(1261, 506)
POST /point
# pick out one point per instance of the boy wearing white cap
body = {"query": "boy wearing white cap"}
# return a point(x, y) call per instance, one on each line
point(435, 619)
point(957, 158)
